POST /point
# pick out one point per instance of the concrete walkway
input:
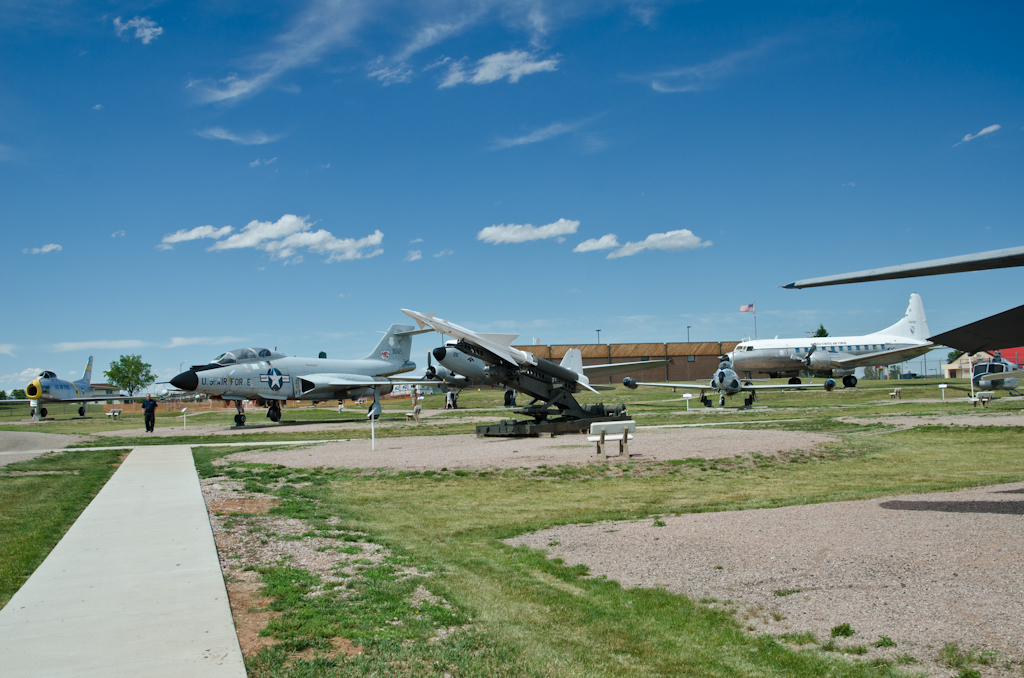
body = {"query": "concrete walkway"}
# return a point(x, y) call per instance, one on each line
point(133, 589)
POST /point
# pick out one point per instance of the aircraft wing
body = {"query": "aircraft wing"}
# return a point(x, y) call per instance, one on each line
point(744, 387)
point(1013, 256)
point(611, 369)
point(882, 357)
point(495, 343)
point(343, 381)
point(1001, 330)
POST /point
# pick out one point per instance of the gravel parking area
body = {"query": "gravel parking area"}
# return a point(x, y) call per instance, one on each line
point(925, 570)
point(468, 451)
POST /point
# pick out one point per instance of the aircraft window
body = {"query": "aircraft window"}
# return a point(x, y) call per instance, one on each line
point(246, 354)
point(995, 368)
point(264, 352)
point(750, 348)
point(225, 358)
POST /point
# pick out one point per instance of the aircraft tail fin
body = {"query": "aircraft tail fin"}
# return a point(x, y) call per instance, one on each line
point(573, 360)
point(913, 323)
point(395, 346)
point(87, 375)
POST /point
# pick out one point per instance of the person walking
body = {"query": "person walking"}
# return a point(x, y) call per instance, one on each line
point(149, 413)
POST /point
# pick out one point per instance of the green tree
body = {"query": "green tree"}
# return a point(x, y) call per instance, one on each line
point(18, 393)
point(129, 373)
point(895, 371)
point(821, 331)
point(871, 373)
point(3, 395)
point(953, 355)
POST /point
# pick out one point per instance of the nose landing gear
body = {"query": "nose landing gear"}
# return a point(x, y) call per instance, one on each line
point(240, 417)
point(849, 381)
point(274, 412)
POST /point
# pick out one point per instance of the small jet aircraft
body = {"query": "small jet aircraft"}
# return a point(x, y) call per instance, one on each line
point(998, 373)
point(47, 388)
point(272, 378)
point(837, 356)
point(727, 383)
point(459, 370)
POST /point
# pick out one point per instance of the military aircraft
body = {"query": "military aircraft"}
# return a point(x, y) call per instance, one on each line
point(47, 388)
point(837, 356)
point(998, 373)
point(495, 361)
point(727, 383)
point(1001, 330)
point(272, 378)
point(460, 370)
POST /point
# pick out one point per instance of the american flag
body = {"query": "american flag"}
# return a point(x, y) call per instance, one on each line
point(747, 308)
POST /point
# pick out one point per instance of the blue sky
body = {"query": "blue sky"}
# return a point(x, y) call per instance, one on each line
point(182, 178)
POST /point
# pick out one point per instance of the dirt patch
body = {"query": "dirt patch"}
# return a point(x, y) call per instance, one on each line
point(38, 473)
point(248, 609)
point(924, 570)
point(247, 505)
point(470, 452)
point(342, 646)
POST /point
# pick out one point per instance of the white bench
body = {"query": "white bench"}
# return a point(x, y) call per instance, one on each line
point(983, 397)
point(897, 393)
point(114, 414)
point(603, 432)
point(415, 414)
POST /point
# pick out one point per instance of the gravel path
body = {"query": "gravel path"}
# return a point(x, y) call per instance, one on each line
point(924, 570)
point(468, 451)
point(910, 420)
point(13, 442)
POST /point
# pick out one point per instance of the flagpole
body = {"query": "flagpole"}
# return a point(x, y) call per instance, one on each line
point(755, 318)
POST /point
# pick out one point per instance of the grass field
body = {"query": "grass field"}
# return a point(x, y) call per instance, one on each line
point(514, 612)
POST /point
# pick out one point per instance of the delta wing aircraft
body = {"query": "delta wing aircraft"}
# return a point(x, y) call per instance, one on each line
point(47, 388)
point(272, 378)
point(727, 383)
point(837, 356)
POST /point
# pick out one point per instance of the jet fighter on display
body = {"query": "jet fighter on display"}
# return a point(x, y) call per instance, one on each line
point(47, 388)
point(489, 358)
point(837, 356)
point(273, 378)
point(727, 383)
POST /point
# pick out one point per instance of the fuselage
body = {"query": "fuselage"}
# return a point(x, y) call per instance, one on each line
point(784, 356)
point(281, 379)
point(986, 375)
point(48, 388)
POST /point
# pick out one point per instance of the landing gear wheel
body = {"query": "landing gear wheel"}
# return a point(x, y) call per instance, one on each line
point(239, 420)
point(795, 380)
point(853, 381)
point(748, 402)
point(81, 411)
point(274, 414)
point(849, 381)
point(721, 401)
point(42, 412)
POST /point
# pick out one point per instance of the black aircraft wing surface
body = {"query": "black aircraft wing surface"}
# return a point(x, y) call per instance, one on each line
point(1002, 330)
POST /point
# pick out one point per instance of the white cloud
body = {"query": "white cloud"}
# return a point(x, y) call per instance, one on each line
point(257, 162)
point(850, 184)
point(389, 73)
point(98, 107)
point(605, 242)
point(322, 26)
point(414, 255)
point(701, 76)
point(988, 130)
point(683, 239)
point(542, 134)
point(20, 379)
point(257, 138)
point(204, 341)
point(415, 240)
point(101, 344)
point(444, 253)
point(284, 237)
point(116, 233)
point(515, 233)
point(52, 247)
point(194, 234)
point(513, 65)
point(341, 296)
point(146, 29)
point(7, 349)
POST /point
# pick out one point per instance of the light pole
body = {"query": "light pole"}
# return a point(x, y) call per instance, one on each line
point(688, 333)
point(181, 363)
point(599, 336)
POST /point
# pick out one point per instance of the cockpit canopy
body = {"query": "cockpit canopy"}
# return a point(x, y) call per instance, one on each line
point(47, 374)
point(242, 355)
point(990, 368)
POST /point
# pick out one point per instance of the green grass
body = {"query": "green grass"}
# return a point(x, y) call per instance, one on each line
point(36, 510)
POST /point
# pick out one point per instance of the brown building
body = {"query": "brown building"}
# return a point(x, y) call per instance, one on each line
point(694, 361)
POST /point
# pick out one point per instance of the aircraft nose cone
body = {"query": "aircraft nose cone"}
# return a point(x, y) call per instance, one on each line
point(439, 353)
point(186, 381)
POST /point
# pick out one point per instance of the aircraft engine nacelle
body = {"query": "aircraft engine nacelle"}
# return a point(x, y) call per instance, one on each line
point(842, 373)
point(363, 392)
point(830, 384)
point(629, 382)
point(819, 361)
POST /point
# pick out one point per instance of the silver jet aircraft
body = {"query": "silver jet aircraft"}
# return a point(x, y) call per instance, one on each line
point(273, 378)
point(837, 356)
point(47, 388)
point(727, 383)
